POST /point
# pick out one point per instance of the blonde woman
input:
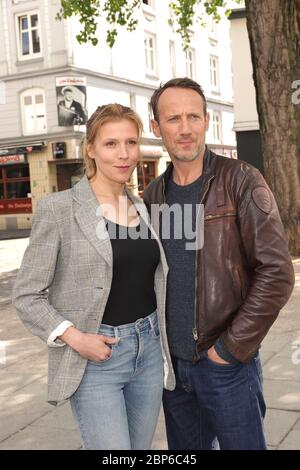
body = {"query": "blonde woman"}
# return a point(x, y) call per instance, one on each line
point(92, 285)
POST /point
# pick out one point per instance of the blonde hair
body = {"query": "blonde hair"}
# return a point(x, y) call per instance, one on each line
point(103, 114)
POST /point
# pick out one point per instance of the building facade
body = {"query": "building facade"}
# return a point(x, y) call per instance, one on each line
point(41, 63)
point(246, 124)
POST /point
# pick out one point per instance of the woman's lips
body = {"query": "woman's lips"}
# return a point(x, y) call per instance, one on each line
point(122, 168)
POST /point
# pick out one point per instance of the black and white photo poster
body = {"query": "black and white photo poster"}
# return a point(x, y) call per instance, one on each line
point(71, 101)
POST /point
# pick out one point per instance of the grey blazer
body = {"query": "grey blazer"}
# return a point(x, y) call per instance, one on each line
point(66, 274)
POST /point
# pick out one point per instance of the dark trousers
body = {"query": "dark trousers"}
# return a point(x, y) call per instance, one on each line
point(214, 401)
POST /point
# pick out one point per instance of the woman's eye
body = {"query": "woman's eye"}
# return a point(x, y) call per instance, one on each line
point(132, 142)
point(110, 144)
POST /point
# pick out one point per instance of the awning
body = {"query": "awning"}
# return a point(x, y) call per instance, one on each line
point(22, 148)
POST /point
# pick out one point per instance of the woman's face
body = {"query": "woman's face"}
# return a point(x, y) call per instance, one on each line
point(116, 150)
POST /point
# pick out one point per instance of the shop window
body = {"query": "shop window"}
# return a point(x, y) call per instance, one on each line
point(17, 172)
point(28, 32)
point(15, 189)
point(18, 190)
point(146, 173)
point(33, 111)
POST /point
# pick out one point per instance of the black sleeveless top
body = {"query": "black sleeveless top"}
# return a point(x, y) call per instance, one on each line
point(135, 258)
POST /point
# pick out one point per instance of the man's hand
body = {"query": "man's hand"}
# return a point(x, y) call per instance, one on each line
point(214, 356)
point(90, 346)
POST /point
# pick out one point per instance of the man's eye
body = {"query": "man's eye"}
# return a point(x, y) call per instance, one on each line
point(173, 119)
point(195, 116)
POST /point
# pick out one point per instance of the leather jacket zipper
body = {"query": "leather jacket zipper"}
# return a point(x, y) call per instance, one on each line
point(195, 331)
point(220, 216)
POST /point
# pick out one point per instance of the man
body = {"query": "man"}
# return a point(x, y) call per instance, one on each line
point(70, 112)
point(222, 299)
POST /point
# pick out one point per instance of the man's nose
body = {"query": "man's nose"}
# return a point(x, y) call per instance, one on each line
point(185, 126)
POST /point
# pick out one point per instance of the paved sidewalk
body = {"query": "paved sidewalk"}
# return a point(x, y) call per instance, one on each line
point(28, 422)
point(12, 234)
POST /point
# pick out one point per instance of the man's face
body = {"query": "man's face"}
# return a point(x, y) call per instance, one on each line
point(182, 124)
point(68, 96)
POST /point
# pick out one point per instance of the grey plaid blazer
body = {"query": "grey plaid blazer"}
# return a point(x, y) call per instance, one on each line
point(66, 274)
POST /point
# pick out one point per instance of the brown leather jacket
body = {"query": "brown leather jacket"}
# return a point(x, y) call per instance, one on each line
point(244, 273)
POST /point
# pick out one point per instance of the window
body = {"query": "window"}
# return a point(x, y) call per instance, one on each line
point(1, 185)
point(146, 173)
point(28, 30)
point(190, 63)
point(150, 53)
point(214, 72)
point(150, 117)
point(212, 27)
point(150, 3)
point(216, 125)
point(14, 189)
point(33, 111)
point(172, 58)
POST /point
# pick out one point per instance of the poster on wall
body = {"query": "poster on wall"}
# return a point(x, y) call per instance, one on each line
point(71, 101)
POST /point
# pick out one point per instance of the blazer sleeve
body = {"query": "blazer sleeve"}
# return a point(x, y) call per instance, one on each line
point(30, 293)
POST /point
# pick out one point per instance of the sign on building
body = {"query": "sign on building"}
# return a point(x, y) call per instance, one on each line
point(71, 101)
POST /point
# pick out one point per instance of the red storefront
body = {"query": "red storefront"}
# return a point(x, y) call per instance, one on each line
point(15, 193)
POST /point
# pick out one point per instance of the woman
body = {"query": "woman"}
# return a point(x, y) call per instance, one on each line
point(96, 296)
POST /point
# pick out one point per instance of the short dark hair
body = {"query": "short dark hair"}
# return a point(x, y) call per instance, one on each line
point(176, 83)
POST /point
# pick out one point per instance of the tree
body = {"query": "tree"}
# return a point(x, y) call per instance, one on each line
point(274, 35)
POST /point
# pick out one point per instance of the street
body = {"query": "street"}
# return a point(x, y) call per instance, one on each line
point(28, 422)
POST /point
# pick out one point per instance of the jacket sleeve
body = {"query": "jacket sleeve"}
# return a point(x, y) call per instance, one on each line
point(266, 250)
point(30, 293)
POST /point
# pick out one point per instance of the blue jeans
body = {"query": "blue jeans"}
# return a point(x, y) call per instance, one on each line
point(118, 400)
point(215, 402)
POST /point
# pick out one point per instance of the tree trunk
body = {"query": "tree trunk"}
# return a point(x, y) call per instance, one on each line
point(274, 33)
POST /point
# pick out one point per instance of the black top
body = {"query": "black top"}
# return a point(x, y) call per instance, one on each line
point(135, 258)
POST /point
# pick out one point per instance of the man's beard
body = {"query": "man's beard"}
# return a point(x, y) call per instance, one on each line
point(189, 158)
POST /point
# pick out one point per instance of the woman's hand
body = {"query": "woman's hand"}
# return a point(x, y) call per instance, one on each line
point(90, 346)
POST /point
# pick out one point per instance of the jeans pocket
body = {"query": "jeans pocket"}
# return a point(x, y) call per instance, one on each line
point(112, 348)
point(220, 365)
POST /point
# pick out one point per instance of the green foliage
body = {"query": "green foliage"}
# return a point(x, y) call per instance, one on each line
point(116, 12)
point(121, 13)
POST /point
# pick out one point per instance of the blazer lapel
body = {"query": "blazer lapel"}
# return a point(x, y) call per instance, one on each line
point(89, 217)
